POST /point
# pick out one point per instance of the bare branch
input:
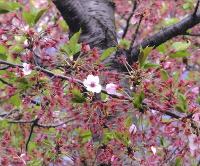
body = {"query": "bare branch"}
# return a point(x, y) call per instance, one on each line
point(192, 34)
point(164, 35)
point(34, 123)
point(129, 19)
point(22, 122)
point(5, 115)
point(136, 31)
point(4, 67)
point(196, 8)
point(55, 125)
point(5, 82)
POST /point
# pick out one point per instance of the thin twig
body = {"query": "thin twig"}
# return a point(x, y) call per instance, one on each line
point(34, 123)
point(5, 82)
point(136, 31)
point(4, 67)
point(192, 34)
point(196, 8)
point(55, 125)
point(4, 115)
point(22, 122)
point(129, 19)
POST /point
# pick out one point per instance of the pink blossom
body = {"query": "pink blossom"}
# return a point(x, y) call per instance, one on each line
point(112, 89)
point(195, 90)
point(196, 118)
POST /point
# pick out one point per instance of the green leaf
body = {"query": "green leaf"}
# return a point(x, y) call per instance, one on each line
point(107, 53)
point(180, 54)
point(20, 38)
point(163, 142)
point(122, 136)
point(182, 105)
point(77, 96)
point(32, 17)
point(143, 55)
point(3, 124)
point(23, 83)
point(181, 46)
point(15, 100)
point(63, 25)
point(170, 21)
point(161, 48)
point(138, 99)
point(86, 136)
point(164, 74)
point(109, 135)
point(6, 7)
point(178, 162)
point(74, 39)
point(150, 65)
point(39, 14)
point(176, 76)
point(104, 96)
point(72, 47)
point(28, 17)
point(3, 52)
point(128, 121)
point(71, 50)
point(125, 44)
point(16, 48)
point(188, 6)
point(32, 146)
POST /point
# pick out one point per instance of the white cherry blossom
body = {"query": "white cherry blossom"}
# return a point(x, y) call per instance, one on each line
point(26, 69)
point(92, 84)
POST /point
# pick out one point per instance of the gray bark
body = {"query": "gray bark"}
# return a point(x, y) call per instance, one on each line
point(94, 17)
point(165, 34)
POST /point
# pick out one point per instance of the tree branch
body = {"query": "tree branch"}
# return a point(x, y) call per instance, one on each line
point(38, 68)
point(137, 30)
point(129, 19)
point(164, 35)
point(34, 123)
point(5, 82)
point(192, 34)
point(196, 8)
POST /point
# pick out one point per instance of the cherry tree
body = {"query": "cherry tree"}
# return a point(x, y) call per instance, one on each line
point(99, 82)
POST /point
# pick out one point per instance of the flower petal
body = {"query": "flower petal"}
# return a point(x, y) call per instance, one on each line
point(132, 129)
point(26, 69)
point(153, 149)
point(111, 88)
point(98, 88)
point(96, 79)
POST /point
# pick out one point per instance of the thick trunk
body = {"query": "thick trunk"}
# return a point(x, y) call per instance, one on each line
point(94, 17)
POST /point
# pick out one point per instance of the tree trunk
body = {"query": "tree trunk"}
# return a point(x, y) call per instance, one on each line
point(94, 17)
